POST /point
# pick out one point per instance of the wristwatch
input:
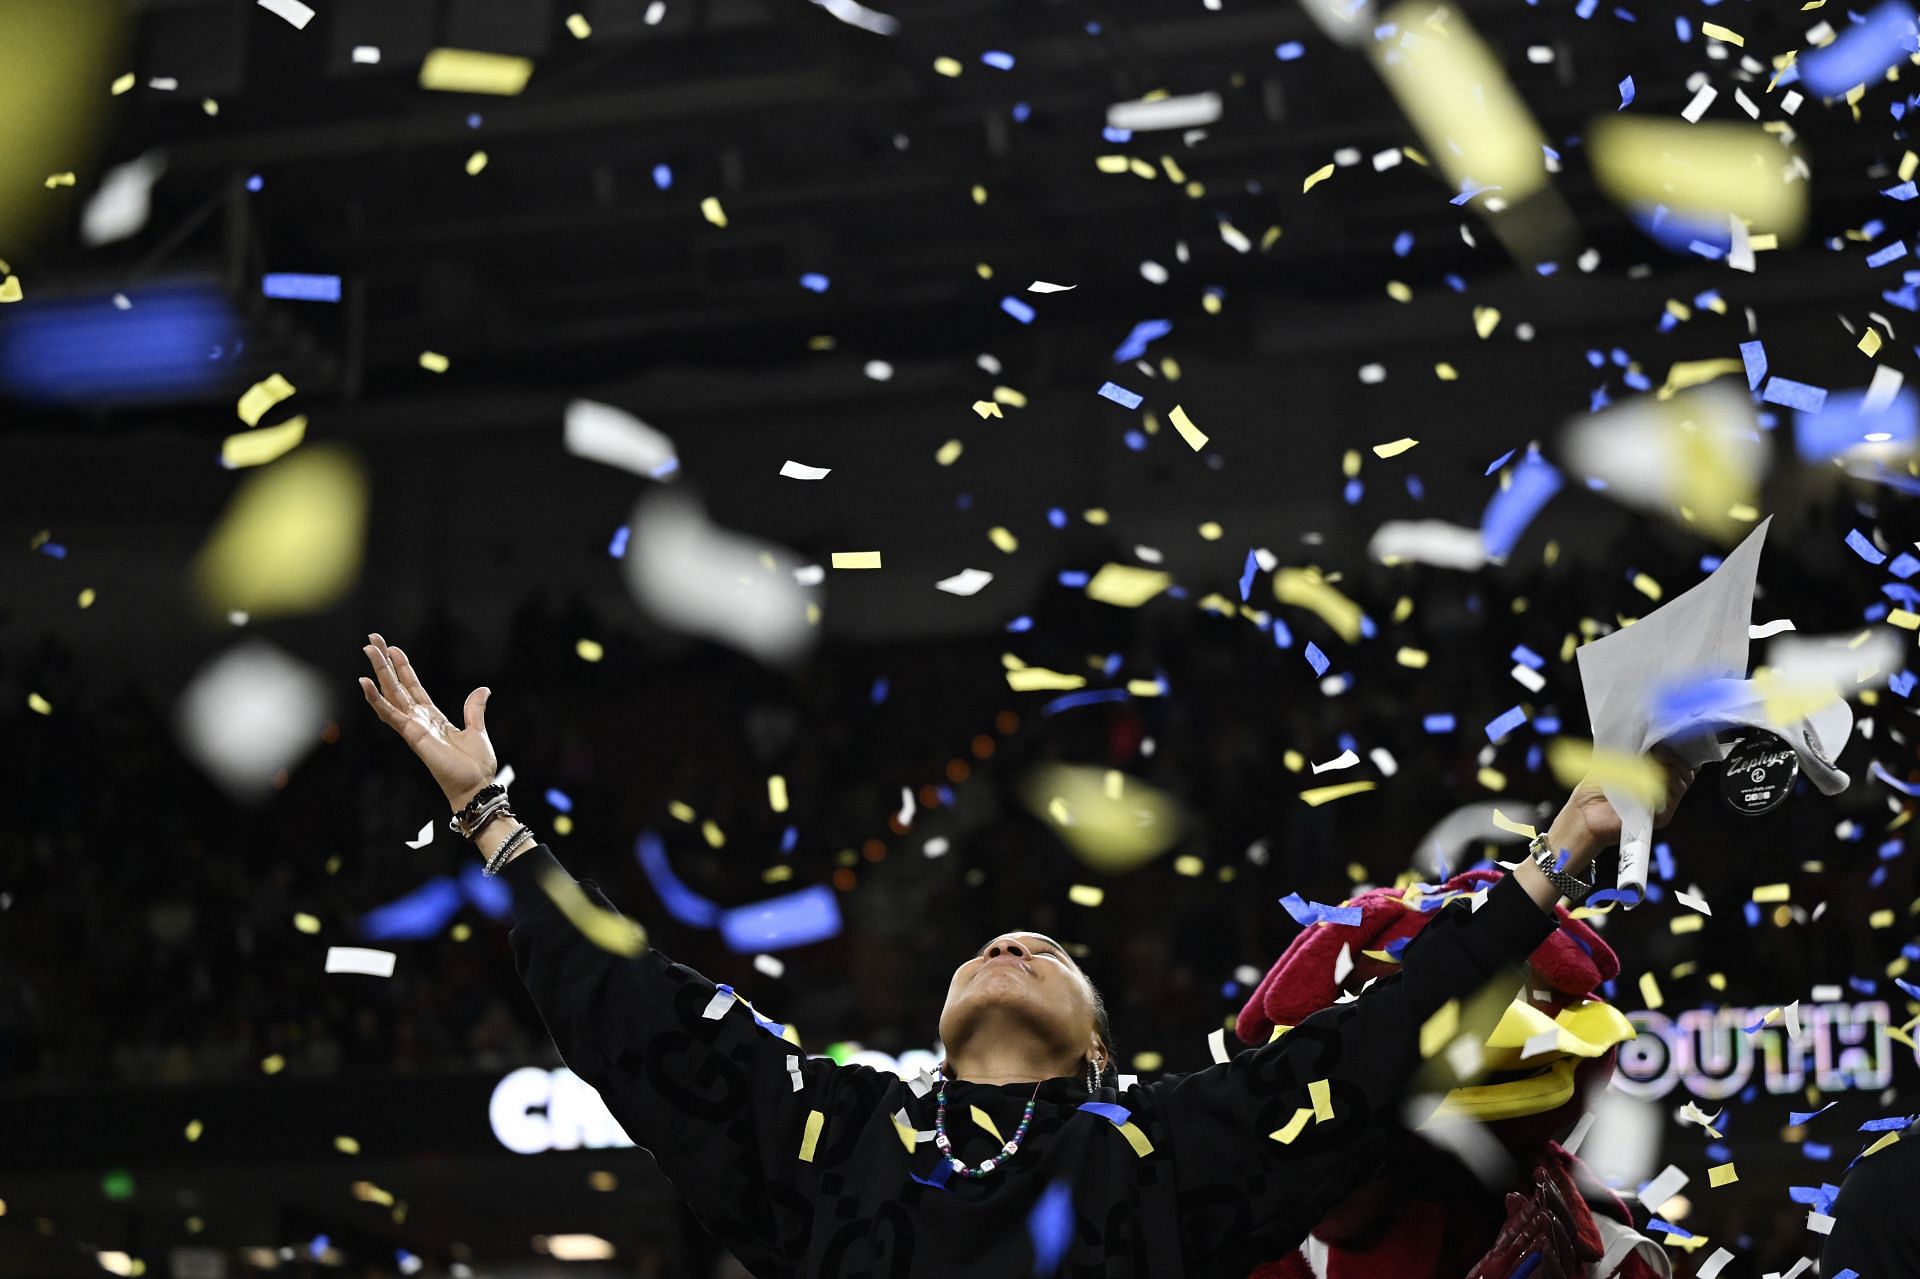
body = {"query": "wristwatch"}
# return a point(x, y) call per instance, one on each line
point(1542, 852)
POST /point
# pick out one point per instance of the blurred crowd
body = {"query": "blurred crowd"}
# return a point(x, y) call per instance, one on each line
point(149, 927)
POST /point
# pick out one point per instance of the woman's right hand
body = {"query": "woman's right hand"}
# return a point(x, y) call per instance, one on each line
point(460, 759)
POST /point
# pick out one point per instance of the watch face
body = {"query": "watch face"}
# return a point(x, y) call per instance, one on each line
point(1758, 773)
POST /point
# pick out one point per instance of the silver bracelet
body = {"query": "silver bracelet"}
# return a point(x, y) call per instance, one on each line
point(521, 835)
point(481, 816)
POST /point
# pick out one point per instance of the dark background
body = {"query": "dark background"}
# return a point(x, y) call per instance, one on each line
point(148, 960)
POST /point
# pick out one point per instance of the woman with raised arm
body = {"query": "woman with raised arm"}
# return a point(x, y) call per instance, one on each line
point(1022, 1155)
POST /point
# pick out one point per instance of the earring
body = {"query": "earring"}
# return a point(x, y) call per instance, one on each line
point(1093, 1080)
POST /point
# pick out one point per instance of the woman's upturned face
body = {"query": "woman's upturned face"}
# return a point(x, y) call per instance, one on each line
point(1028, 976)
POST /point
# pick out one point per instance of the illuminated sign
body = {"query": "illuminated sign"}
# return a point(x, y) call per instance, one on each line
point(1841, 1047)
point(534, 1110)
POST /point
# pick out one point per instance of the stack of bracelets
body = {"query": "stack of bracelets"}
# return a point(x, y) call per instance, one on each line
point(482, 809)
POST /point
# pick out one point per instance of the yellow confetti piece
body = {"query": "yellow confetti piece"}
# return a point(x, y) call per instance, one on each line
point(59, 180)
point(1350, 463)
point(1327, 794)
point(367, 1192)
point(1691, 373)
point(1870, 342)
point(777, 793)
point(1880, 919)
point(711, 832)
point(1196, 438)
point(1145, 687)
point(816, 1120)
point(1137, 1139)
point(1395, 448)
point(1680, 924)
point(1293, 1127)
point(979, 192)
point(1880, 1145)
point(471, 71)
point(306, 923)
point(1398, 291)
point(1485, 320)
point(1125, 586)
point(1034, 679)
point(1010, 397)
point(856, 559)
point(1212, 531)
point(1902, 618)
point(1721, 1175)
point(273, 1065)
point(39, 704)
point(434, 362)
point(948, 66)
point(1096, 515)
point(589, 650)
point(1446, 372)
point(1650, 990)
point(1646, 586)
point(710, 210)
point(476, 162)
point(1512, 827)
point(291, 538)
point(984, 1122)
point(1416, 658)
point(1714, 31)
point(1320, 1092)
point(949, 453)
point(1189, 865)
point(10, 290)
point(346, 1145)
point(987, 408)
point(1003, 539)
point(1438, 1030)
point(1307, 589)
point(609, 930)
point(577, 24)
point(1492, 778)
point(1110, 163)
point(209, 106)
point(123, 84)
point(1572, 758)
point(680, 810)
point(1086, 894)
point(1315, 178)
point(194, 1129)
point(1773, 893)
point(258, 447)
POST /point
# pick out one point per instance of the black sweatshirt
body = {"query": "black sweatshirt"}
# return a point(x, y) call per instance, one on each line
point(800, 1167)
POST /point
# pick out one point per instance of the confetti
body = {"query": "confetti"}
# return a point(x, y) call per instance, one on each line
point(966, 582)
point(258, 447)
point(1320, 1092)
point(856, 559)
point(1703, 172)
point(696, 577)
point(476, 162)
point(1306, 589)
point(1120, 395)
point(1862, 54)
point(262, 396)
point(1125, 586)
point(578, 26)
point(614, 437)
point(1510, 512)
point(1293, 1127)
point(1395, 448)
point(359, 959)
point(292, 10)
point(1189, 111)
point(1195, 438)
point(810, 1139)
point(1041, 286)
point(121, 206)
point(470, 71)
point(609, 930)
point(434, 362)
point(1669, 1183)
point(1327, 794)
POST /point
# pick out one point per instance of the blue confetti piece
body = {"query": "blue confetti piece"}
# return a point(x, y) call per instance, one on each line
point(1505, 723)
point(1282, 635)
point(491, 896)
point(814, 282)
point(995, 58)
point(1905, 788)
point(1056, 517)
point(1508, 514)
point(1663, 858)
point(1626, 94)
point(1441, 723)
point(1290, 51)
point(1846, 1272)
point(1073, 578)
point(1913, 991)
point(53, 550)
point(1794, 395)
point(794, 919)
point(617, 546)
point(1501, 461)
point(878, 693)
point(1628, 897)
point(1658, 1225)
point(1902, 191)
point(1844, 422)
point(662, 177)
point(1120, 395)
point(1901, 682)
point(1527, 657)
point(1892, 253)
point(1020, 311)
point(558, 799)
point(1682, 30)
point(1136, 440)
point(1309, 913)
point(1888, 851)
point(1085, 697)
point(1816, 1150)
point(1247, 574)
point(1136, 342)
point(1469, 190)
point(1416, 490)
point(1752, 913)
point(421, 913)
point(296, 287)
point(1797, 1117)
point(1531, 1261)
point(255, 183)
point(1863, 53)
point(1403, 244)
point(1111, 134)
point(1353, 491)
point(1316, 659)
point(682, 902)
point(1546, 724)
point(1904, 565)
point(1021, 111)
point(789, 840)
point(1116, 1115)
point(1892, 1123)
point(1864, 548)
point(1020, 624)
point(1050, 1227)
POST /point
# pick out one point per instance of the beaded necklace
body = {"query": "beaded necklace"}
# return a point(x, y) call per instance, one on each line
point(986, 1165)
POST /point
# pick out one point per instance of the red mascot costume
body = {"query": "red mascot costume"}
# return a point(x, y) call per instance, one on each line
point(1426, 1216)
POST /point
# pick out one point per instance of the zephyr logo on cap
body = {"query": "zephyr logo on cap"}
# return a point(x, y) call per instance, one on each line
point(1759, 772)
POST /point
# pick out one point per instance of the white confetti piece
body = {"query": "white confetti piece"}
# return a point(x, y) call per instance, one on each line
point(1669, 1183)
point(424, 838)
point(1712, 1266)
point(850, 12)
point(1217, 1045)
point(1384, 761)
point(1819, 1222)
point(1189, 111)
point(250, 712)
point(125, 198)
point(1693, 901)
point(292, 10)
point(359, 959)
point(366, 55)
point(1544, 1042)
point(771, 965)
point(1041, 286)
point(1701, 101)
point(793, 1072)
point(717, 1006)
point(1343, 964)
point(602, 433)
point(1346, 759)
point(793, 470)
point(1433, 542)
point(905, 815)
point(1529, 678)
point(697, 577)
point(1882, 390)
point(1766, 629)
point(968, 581)
point(1793, 1022)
